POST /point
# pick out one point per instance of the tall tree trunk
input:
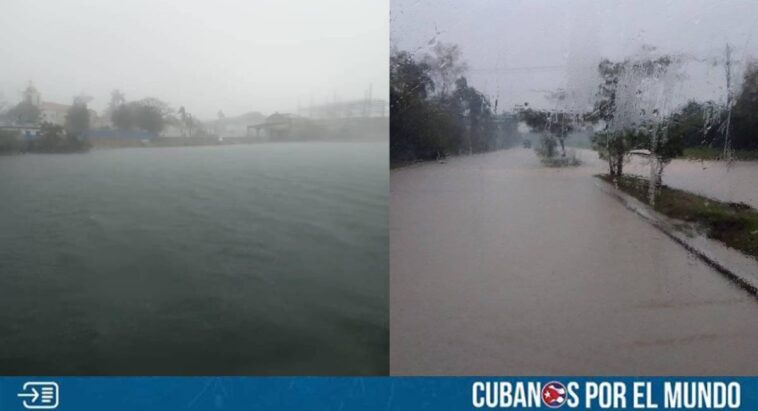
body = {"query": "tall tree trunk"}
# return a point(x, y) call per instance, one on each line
point(656, 180)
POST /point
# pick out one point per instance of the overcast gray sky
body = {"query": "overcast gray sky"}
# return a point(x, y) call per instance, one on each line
point(516, 49)
point(235, 56)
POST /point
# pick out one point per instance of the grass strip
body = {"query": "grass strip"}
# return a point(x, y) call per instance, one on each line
point(734, 224)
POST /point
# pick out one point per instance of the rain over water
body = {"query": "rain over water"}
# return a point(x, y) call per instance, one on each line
point(214, 260)
point(194, 188)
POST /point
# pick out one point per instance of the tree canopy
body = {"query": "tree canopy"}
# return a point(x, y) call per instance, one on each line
point(434, 112)
point(77, 119)
point(26, 112)
point(148, 114)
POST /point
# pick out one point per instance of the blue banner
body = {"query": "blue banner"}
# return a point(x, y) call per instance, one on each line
point(373, 393)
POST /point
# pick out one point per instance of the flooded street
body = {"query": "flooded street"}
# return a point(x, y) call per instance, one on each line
point(735, 182)
point(499, 265)
point(720, 180)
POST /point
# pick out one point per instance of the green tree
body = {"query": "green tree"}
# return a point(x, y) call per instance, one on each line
point(3, 103)
point(122, 117)
point(148, 118)
point(664, 145)
point(9, 141)
point(605, 103)
point(410, 79)
point(445, 66)
point(555, 123)
point(26, 112)
point(698, 125)
point(610, 144)
point(613, 147)
point(430, 120)
point(77, 119)
point(744, 120)
point(54, 139)
point(618, 137)
point(186, 121)
point(151, 114)
point(411, 115)
point(474, 112)
point(118, 99)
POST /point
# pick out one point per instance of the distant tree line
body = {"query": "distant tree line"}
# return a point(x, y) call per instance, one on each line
point(631, 126)
point(695, 125)
point(153, 116)
point(435, 113)
point(744, 121)
point(631, 118)
point(51, 138)
point(149, 114)
point(703, 124)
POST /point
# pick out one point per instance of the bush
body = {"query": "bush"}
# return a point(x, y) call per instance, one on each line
point(546, 147)
point(547, 151)
point(54, 139)
point(9, 142)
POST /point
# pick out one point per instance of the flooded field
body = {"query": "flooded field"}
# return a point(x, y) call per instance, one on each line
point(501, 265)
point(256, 259)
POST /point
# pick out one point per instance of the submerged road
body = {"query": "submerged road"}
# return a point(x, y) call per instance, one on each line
point(500, 266)
point(735, 182)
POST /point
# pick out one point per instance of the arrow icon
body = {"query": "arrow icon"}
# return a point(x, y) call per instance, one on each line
point(39, 395)
point(34, 394)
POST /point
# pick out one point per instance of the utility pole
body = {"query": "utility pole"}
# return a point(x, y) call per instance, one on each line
point(728, 67)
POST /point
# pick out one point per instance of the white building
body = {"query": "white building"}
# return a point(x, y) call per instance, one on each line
point(53, 112)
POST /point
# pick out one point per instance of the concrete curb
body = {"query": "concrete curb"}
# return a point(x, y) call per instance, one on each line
point(730, 263)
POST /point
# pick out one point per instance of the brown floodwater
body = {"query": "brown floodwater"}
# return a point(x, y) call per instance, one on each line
point(502, 266)
point(736, 181)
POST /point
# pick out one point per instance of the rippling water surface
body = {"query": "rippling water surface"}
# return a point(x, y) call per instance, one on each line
point(257, 259)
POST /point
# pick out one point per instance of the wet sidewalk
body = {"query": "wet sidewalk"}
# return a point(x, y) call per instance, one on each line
point(502, 266)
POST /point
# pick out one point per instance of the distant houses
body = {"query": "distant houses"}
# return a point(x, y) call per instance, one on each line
point(49, 112)
point(53, 112)
point(100, 127)
point(235, 126)
point(276, 126)
point(355, 120)
point(25, 130)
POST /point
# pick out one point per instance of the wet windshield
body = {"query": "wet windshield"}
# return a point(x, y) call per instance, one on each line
point(581, 172)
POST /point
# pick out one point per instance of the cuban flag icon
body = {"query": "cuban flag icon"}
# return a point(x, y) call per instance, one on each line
point(553, 394)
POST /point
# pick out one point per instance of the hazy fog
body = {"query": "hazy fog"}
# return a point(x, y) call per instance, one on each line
point(234, 56)
point(516, 50)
